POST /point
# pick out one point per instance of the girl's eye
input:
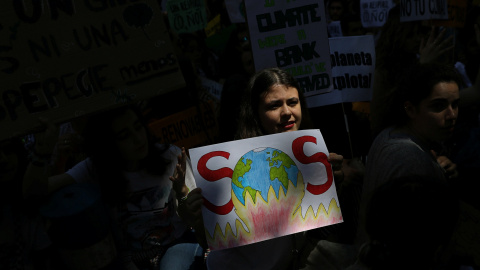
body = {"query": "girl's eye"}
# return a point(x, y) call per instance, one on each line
point(439, 106)
point(293, 102)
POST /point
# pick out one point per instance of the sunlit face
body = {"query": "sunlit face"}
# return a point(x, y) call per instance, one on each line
point(130, 136)
point(279, 109)
point(434, 118)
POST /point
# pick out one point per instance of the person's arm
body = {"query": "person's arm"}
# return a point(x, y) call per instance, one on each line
point(190, 210)
point(189, 202)
point(37, 180)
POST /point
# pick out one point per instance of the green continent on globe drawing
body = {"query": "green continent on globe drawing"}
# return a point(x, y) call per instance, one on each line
point(240, 170)
point(280, 173)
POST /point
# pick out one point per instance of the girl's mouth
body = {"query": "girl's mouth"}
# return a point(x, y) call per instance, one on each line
point(288, 125)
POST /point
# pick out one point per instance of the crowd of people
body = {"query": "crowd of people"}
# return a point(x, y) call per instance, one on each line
point(402, 173)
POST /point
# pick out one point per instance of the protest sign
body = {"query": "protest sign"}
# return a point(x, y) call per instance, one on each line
point(213, 26)
point(236, 10)
point(291, 35)
point(457, 14)
point(265, 187)
point(417, 10)
point(192, 127)
point(374, 13)
point(63, 59)
point(334, 29)
point(213, 87)
point(353, 65)
point(186, 16)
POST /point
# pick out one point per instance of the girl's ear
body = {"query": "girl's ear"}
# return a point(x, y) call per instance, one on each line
point(410, 109)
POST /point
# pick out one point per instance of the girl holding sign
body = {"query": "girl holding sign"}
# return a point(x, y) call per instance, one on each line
point(272, 104)
point(135, 178)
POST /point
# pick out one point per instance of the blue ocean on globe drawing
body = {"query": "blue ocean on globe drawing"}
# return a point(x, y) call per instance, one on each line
point(260, 169)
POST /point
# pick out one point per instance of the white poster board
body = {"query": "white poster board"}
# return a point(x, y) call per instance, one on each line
point(265, 187)
point(417, 10)
point(236, 10)
point(334, 29)
point(374, 13)
point(292, 35)
point(353, 66)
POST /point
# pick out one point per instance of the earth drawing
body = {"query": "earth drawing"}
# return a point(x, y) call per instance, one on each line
point(260, 169)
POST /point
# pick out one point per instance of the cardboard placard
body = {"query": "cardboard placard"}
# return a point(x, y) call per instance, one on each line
point(186, 16)
point(265, 187)
point(62, 59)
point(189, 128)
point(374, 13)
point(353, 66)
point(457, 14)
point(417, 10)
point(292, 35)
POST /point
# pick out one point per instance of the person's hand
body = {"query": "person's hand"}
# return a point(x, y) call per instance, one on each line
point(447, 165)
point(354, 171)
point(192, 208)
point(435, 46)
point(178, 177)
point(336, 161)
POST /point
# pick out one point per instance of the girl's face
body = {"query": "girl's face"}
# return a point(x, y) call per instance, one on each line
point(279, 109)
point(130, 136)
point(434, 118)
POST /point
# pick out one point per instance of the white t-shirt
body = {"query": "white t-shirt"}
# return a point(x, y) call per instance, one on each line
point(150, 212)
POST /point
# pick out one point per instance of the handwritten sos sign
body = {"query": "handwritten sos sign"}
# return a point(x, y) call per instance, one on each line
point(284, 177)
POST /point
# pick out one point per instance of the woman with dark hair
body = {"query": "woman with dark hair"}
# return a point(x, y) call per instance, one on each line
point(422, 116)
point(141, 181)
point(399, 46)
point(263, 97)
point(272, 103)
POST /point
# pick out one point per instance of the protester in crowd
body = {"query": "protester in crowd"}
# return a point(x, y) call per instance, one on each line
point(192, 46)
point(409, 222)
point(422, 116)
point(352, 26)
point(236, 65)
point(24, 243)
point(236, 58)
point(135, 176)
point(271, 104)
point(400, 45)
point(335, 9)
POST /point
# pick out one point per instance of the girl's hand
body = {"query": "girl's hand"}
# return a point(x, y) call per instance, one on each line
point(336, 161)
point(435, 46)
point(447, 165)
point(178, 177)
